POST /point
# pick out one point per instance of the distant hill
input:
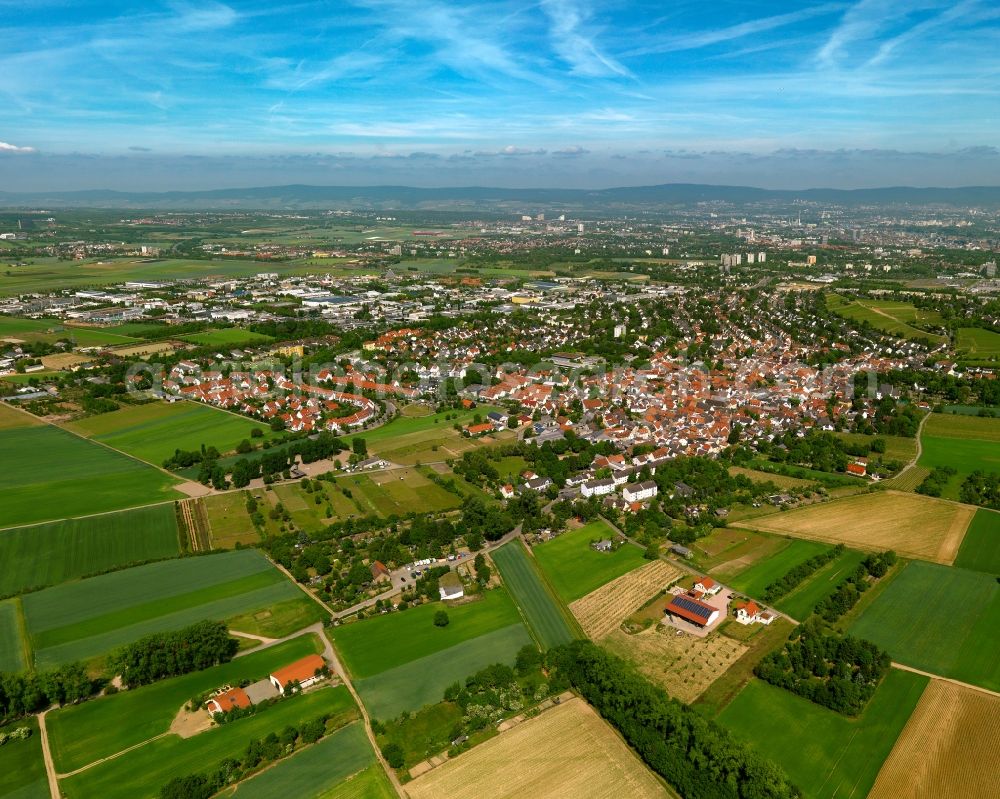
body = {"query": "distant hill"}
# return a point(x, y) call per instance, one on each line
point(409, 197)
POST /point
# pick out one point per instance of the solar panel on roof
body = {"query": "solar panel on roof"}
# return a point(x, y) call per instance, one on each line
point(693, 607)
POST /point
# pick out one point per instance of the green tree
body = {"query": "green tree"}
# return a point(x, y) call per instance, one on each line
point(441, 619)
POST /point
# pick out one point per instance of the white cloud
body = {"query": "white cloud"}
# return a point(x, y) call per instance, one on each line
point(574, 46)
point(13, 148)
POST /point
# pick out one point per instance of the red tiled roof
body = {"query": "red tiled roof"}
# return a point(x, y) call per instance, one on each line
point(231, 699)
point(300, 670)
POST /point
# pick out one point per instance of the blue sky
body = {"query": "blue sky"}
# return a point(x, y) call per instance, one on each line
point(555, 92)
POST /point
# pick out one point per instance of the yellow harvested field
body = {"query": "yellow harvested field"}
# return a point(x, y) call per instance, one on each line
point(682, 665)
point(567, 751)
point(603, 610)
point(949, 747)
point(146, 348)
point(12, 417)
point(911, 524)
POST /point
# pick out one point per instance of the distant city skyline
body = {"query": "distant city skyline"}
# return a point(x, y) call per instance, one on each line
point(554, 93)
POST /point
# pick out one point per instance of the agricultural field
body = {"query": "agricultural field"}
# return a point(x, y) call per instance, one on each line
point(228, 520)
point(682, 665)
point(938, 619)
point(574, 568)
point(12, 654)
point(799, 602)
point(371, 783)
point(549, 622)
point(908, 479)
point(572, 752)
point(948, 747)
point(604, 609)
point(226, 337)
point(964, 443)
point(423, 681)
point(45, 275)
point(426, 439)
point(754, 579)
point(154, 431)
point(981, 547)
point(84, 733)
point(779, 480)
point(51, 553)
point(383, 642)
point(309, 774)
point(22, 769)
point(66, 476)
point(895, 318)
point(140, 773)
point(978, 342)
point(11, 418)
point(51, 330)
point(897, 448)
point(827, 755)
point(911, 524)
point(732, 549)
point(89, 618)
point(280, 619)
point(398, 492)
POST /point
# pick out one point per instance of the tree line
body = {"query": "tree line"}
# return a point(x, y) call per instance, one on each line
point(160, 655)
point(24, 693)
point(794, 576)
point(695, 755)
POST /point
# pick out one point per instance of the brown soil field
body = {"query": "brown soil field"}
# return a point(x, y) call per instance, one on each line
point(911, 524)
point(949, 747)
point(683, 665)
point(604, 609)
point(567, 751)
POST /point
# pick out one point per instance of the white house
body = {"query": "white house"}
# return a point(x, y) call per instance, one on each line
point(637, 492)
point(597, 488)
point(507, 491)
point(707, 586)
point(450, 586)
point(751, 613)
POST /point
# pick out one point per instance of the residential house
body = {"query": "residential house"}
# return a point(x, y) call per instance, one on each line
point(637, 492)
point(450, 586)
point(302, 673)
point(597, 488)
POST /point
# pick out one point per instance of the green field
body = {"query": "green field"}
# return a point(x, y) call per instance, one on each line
point(51, 330)
point(81, 734)
point(12, 657)
point(409, 439)
point(827, 755)
point(575, 569)
point(897, 448)
point(546, 617)
point(946, 425)
point(939, 619)
point(372, 783)
point(52, 474)
point(227, 337)
point(152, 432)
point(88, 618)
point(141, 773)
point(978, 341)
point(981, 546)
point(384, 642)
point(964, 455)
point(896, 318)
point(22, 769)
point(280, 618)
point(756, 578)
point(50, 274)
point(800, 602)
point(51, 553)
point(423, 681)
point(314, 770)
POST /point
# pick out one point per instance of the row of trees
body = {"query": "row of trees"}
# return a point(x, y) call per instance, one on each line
point(696, 756)
point(934, 483)
point(258, 753)
point(168, 654)
point(846, 595)
point(790, 579)
point(25, 693)
point(840, 673)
